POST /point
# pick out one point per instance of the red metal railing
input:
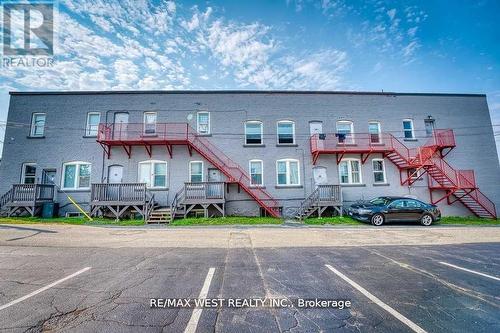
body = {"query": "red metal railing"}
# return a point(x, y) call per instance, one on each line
point(182, 133)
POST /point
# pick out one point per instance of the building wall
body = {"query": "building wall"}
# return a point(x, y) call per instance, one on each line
point(64, 139)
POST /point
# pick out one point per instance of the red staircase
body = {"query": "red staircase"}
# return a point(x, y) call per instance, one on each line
point(459, 185)
point(170, 134)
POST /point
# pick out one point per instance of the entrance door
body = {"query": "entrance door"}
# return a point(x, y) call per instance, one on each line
point(214, 190)
point(121, 125)
point(115, 174)
point(316, 127)
point(48, 176)
point(319, 174)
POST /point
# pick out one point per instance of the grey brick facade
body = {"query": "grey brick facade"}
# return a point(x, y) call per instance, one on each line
point(65, 140)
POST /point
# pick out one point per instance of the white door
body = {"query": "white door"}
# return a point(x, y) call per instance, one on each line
point(121, 125)
point(214, 190)
point(319, 174)
point(115, 174)
point(316, 127)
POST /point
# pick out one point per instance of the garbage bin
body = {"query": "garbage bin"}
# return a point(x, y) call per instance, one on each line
point(50, 209)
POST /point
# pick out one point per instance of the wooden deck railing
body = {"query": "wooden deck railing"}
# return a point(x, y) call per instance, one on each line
point(204, 191)
point(119, 193)
point(30, 193)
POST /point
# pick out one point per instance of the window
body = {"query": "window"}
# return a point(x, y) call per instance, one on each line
point(429, 126)
point(28, 174)
point(203, 122)
point(378, 171)
point(196, 171)
point(415, 174)
point(253, 133)
point(350, 172)
point(76, 176)
point(288, 172)
point(93, 119)
point(153, 173)
point(286, 132)
point(374, 131)
point(150, 123)
point(345, 131)
point(408, 129)
point(38, 125)
point(256, 172)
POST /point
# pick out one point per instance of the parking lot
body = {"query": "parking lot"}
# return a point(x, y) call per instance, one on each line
point(452, 286)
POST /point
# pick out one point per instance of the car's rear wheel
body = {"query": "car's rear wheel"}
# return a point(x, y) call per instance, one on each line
point(426, 220)
point(378, 219)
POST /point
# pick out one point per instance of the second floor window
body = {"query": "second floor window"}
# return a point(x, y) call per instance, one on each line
point(196, 172)
point(408, 129)
point(345, 131)
point(150, 123)
point(256, 172)
point(288, 172)
point(38, 125)
point(286, 132)
point(374, 131)
point(253, 133)
point(203, 122)
point(93, 119)
point(76, 176)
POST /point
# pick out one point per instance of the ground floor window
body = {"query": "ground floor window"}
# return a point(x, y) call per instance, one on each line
point(76, 176)
point(415, 174)
point(196, 171)
point(28, 173)
point(153, 173)
point(350, 172)
point(256, 172)
point(378, 171)
point(288, 172)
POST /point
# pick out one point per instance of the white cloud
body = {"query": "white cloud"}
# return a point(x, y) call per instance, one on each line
point(391, 13)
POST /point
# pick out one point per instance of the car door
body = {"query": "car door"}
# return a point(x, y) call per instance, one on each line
point(414, 210)
point(396, 211)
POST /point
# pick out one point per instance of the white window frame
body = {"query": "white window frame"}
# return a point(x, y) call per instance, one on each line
point(432, 124)
point(77, 176)
point(379, 171)
point(349, 171)
point(379, 132)
point(278, 134)
point(261, 132)
point(152, 173)
point(348, 139)
point(209, 125)
point(88, 130)
point(23, 172)
point(261, 174)
point(202, 170)
point(405, 130)
point(144, 130)
point(287, 172)
point(33, 125)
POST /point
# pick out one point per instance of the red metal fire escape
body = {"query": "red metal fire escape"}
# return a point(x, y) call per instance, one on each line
point(171, 134)
point(458, 185)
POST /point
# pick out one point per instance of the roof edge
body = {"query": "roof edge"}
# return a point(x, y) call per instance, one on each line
point(298, 92)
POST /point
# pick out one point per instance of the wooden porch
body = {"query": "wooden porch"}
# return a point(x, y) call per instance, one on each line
point(120, 198)
point(323, 197)
point(203, 194)
point(27, 197)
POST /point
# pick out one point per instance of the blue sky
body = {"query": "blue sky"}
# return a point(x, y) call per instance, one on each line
point(405, 46)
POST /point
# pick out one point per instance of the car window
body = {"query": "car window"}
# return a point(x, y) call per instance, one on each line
point(379, 201)
point(399, 204)
point(412, 204)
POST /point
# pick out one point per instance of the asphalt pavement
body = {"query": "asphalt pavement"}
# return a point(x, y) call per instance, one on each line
point(431, 288)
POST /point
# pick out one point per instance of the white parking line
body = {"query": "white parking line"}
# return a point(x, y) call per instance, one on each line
point(195, 317)
point(377, 301)
point(470, 271)
point(44, 288)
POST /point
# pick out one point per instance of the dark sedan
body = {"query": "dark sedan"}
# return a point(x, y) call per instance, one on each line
point(387, 209)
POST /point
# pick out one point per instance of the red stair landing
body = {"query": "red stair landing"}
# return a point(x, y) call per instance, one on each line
point(457, 184)
point(171, 134)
